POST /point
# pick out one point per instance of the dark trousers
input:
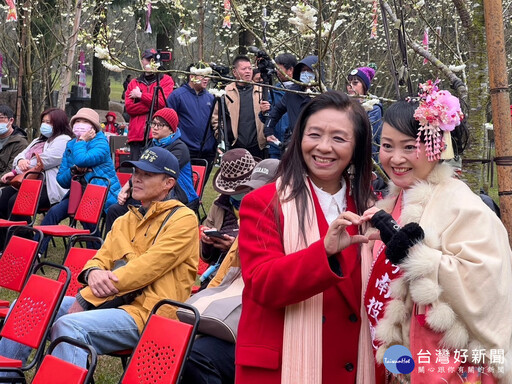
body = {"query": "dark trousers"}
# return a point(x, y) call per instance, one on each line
point(212, 361)
point(136, 149)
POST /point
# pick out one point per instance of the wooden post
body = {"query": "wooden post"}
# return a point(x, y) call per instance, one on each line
point(500, 102)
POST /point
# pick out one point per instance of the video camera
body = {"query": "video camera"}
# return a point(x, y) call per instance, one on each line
point(264, 63)
point(220, 70)
point(161, 56)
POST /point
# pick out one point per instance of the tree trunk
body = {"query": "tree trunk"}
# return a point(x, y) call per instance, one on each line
point(477, 96)
point(100, 87)
point(67, 67)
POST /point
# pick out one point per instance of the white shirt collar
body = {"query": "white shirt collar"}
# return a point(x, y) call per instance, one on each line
point(332, 205)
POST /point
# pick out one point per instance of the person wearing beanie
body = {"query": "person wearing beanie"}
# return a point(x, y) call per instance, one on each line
point(166, 134)
point(86, 156)
point(138, 98)
point(359, 81)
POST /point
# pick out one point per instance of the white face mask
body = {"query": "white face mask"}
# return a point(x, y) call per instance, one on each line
point(80, 128)
point(3, 128)
point(46, 129)
point(307, 77)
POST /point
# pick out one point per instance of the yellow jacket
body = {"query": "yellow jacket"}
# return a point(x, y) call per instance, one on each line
point(164, 267)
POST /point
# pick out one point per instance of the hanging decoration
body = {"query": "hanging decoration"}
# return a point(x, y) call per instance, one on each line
point(11, 14)
point(81, 70)
point(148, 16)
point(373, 34)
point(425, 44)
point(227, 15)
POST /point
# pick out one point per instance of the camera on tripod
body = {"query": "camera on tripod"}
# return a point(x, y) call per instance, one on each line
point(264, 63)
point(220, 70)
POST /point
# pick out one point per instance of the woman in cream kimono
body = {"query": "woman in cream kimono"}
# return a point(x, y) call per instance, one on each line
point(450, 301)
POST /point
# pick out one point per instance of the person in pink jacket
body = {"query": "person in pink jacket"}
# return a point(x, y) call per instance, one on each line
point(138, 97)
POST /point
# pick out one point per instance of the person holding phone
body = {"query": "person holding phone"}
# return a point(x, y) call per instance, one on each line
point(236, 167)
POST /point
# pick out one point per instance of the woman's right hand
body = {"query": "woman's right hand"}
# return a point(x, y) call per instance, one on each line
point(205, 238)
point(337, 237)
point(7, 177)
point(24, 165)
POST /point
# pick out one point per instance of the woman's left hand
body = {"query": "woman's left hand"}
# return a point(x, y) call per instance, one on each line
point(89, 135)
point(24, 165)
point(337, 237)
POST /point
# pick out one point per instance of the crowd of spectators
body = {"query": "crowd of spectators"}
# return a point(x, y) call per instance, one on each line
point(300, 230)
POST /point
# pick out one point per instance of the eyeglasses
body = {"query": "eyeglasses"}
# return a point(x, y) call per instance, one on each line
point(158, 125)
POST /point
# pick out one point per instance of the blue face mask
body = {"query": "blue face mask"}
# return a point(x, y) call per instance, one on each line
point(307, 77)
point(3, 128)
point(46, 129)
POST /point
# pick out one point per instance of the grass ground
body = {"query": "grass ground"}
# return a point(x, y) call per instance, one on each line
point(109, 369)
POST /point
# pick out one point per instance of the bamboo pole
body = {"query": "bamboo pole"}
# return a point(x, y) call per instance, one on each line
point(500, 102)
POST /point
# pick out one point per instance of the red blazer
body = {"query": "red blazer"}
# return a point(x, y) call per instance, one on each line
point(274, 280)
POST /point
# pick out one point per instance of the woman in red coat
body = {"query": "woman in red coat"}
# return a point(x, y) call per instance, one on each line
point(299, 251)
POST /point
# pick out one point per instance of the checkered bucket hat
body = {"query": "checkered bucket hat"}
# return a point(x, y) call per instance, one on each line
point(235, 168)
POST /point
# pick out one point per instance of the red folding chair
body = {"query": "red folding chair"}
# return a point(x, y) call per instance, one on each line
point(89, 211)
point(199, 167)
point(31, 317)
point(123, 177)
point(16, 262)
point(75, 259)
point(56, 371)
point(27, 201)
point(164, 346)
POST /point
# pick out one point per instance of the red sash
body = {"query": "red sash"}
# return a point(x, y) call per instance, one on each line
point(377, 292)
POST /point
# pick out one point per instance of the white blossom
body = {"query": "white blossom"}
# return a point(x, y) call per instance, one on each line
point(201, 71)
point(185, 37)
point(368, 104)
point(111, 67)
point(305, 17)
point(457, 68)
point(101, 52)
point(217, 92)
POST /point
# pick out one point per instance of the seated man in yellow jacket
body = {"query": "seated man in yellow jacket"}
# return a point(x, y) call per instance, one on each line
point(150, 254)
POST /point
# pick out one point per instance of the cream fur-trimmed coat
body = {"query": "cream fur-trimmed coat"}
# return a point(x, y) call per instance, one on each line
point(462, 270)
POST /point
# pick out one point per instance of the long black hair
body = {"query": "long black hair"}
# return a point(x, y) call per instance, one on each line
point(400, 115)
point(293, 167)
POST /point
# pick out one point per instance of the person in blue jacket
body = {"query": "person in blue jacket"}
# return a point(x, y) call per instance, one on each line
point(87, 154)
point(193, 104)
point(166, 134)
point(292, 103)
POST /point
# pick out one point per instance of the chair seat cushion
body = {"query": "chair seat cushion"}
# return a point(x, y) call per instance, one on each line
point(9, 223)
point(6, 362)
point(61, 230)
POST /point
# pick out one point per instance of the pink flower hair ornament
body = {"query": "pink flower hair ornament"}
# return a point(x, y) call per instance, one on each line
point(439, 111)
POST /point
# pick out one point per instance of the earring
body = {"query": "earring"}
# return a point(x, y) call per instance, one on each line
point(351, 172)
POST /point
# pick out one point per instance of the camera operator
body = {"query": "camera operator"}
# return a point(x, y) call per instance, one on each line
point(285, 63)
point(139, 95)
point(292, 103)
point(245, 129)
